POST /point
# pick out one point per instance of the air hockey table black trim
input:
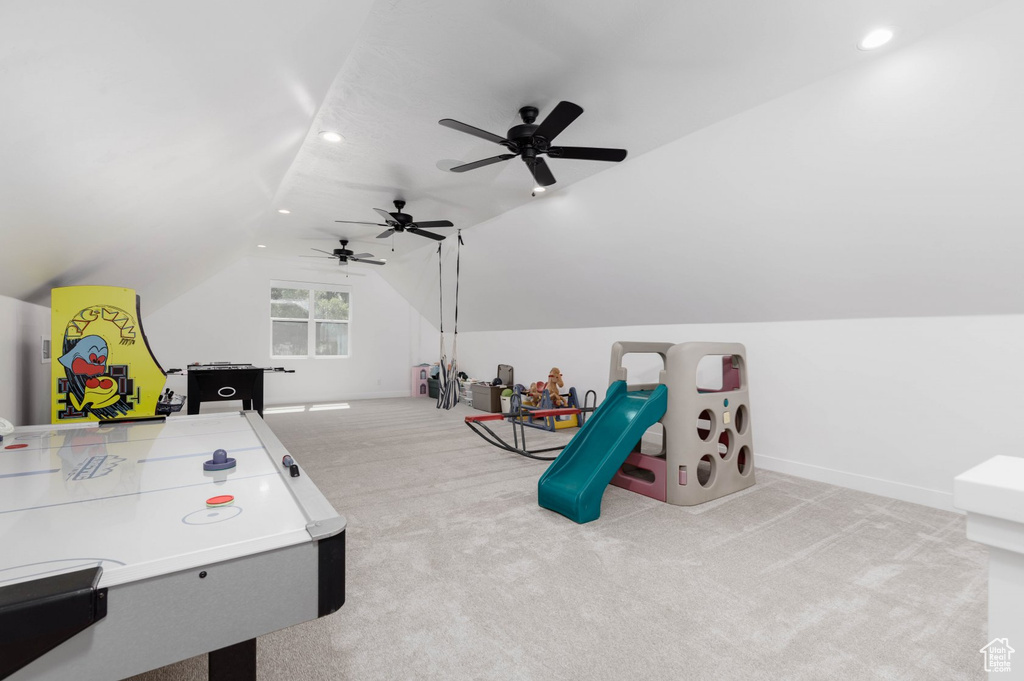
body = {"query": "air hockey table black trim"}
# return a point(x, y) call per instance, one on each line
point(37, 616)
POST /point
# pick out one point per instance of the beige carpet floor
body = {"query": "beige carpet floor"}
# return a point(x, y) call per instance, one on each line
point(455, 572)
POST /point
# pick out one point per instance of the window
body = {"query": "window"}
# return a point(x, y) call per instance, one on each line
point(309, 320)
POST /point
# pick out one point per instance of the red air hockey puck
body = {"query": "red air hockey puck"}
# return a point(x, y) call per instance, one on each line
point(222, 500)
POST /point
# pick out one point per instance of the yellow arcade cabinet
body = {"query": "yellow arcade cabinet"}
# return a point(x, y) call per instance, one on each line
point(103, 367)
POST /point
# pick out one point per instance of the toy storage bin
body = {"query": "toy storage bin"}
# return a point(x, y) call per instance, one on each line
point(487, 397)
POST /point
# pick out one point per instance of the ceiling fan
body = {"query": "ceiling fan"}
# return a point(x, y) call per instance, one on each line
point(344, 256)
point(529, 141)
point(403, 222)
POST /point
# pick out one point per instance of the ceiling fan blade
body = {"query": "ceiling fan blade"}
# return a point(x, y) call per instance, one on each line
point(434, 223)
point(322, 251)
point(353, 222)
point(470, 130)
point(480, 164)
point(388, 217)
point(587, 153)
point(386, 234)
point(316, 256)
point(368, 262)
point(541, 173)
point(558, 120)
point(429, 235)
point(357, 256)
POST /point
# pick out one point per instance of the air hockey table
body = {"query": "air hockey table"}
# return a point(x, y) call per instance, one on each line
point(113, 562)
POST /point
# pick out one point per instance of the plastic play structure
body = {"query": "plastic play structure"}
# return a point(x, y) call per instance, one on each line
point(707, 447)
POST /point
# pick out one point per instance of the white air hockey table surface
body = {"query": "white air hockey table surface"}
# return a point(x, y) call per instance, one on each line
point(176, 578)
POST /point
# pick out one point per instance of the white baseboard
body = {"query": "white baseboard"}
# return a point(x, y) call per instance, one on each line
point(863, 483)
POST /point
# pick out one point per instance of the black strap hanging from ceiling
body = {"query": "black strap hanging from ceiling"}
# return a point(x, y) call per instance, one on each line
point(440, 290)
point(458, 267)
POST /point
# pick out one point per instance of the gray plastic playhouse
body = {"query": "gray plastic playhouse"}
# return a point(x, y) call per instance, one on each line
point(707, 449)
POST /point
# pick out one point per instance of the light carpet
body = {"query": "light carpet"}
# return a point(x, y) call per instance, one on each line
point(455, 572)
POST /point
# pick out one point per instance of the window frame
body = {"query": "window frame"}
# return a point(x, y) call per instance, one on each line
point(311, 320)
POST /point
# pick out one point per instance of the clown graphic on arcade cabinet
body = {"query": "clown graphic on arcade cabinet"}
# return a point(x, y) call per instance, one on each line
point(106, 370)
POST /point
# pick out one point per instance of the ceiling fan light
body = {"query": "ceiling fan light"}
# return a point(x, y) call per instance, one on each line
point(283, 211)
point(539, 189)
point(261, 245)
point(331, 136)
point(875, 39)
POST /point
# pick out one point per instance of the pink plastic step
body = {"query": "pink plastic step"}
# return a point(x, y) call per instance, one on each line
point(654, 490)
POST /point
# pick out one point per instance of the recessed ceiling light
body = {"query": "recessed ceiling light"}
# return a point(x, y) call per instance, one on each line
point(283, 211)
point(331, 136)
point(261, 246)
point(540, 189)
point(877, 38)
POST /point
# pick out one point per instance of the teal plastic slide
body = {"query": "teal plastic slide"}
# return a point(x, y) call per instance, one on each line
point(574, 482)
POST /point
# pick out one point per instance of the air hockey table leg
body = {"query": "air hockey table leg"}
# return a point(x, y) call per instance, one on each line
point(234, 663)
point(193, 389)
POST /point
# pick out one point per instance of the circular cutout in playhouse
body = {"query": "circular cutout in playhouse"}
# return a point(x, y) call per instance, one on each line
point(743, 462)
point(741, 419)
point(706, 469)
point(725, 443)
point(705, 425)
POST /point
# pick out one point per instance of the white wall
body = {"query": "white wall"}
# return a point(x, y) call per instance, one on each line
point(227, 319)
point(888, 190)
point(24, 379)
point(896, 407)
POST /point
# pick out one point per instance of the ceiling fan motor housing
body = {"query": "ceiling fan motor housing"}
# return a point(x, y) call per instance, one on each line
point(403, 219)
point(522, 136)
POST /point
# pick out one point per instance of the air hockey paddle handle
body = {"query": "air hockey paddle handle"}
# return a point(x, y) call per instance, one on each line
point(219, 462)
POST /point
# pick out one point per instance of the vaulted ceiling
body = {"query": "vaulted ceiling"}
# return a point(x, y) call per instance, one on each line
point(147, 145)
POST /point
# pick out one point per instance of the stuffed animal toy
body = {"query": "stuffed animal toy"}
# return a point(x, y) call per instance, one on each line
point(554, 383)
point(535, 393)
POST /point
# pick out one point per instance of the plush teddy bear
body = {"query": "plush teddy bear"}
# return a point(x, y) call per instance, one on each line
point(554, 383)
